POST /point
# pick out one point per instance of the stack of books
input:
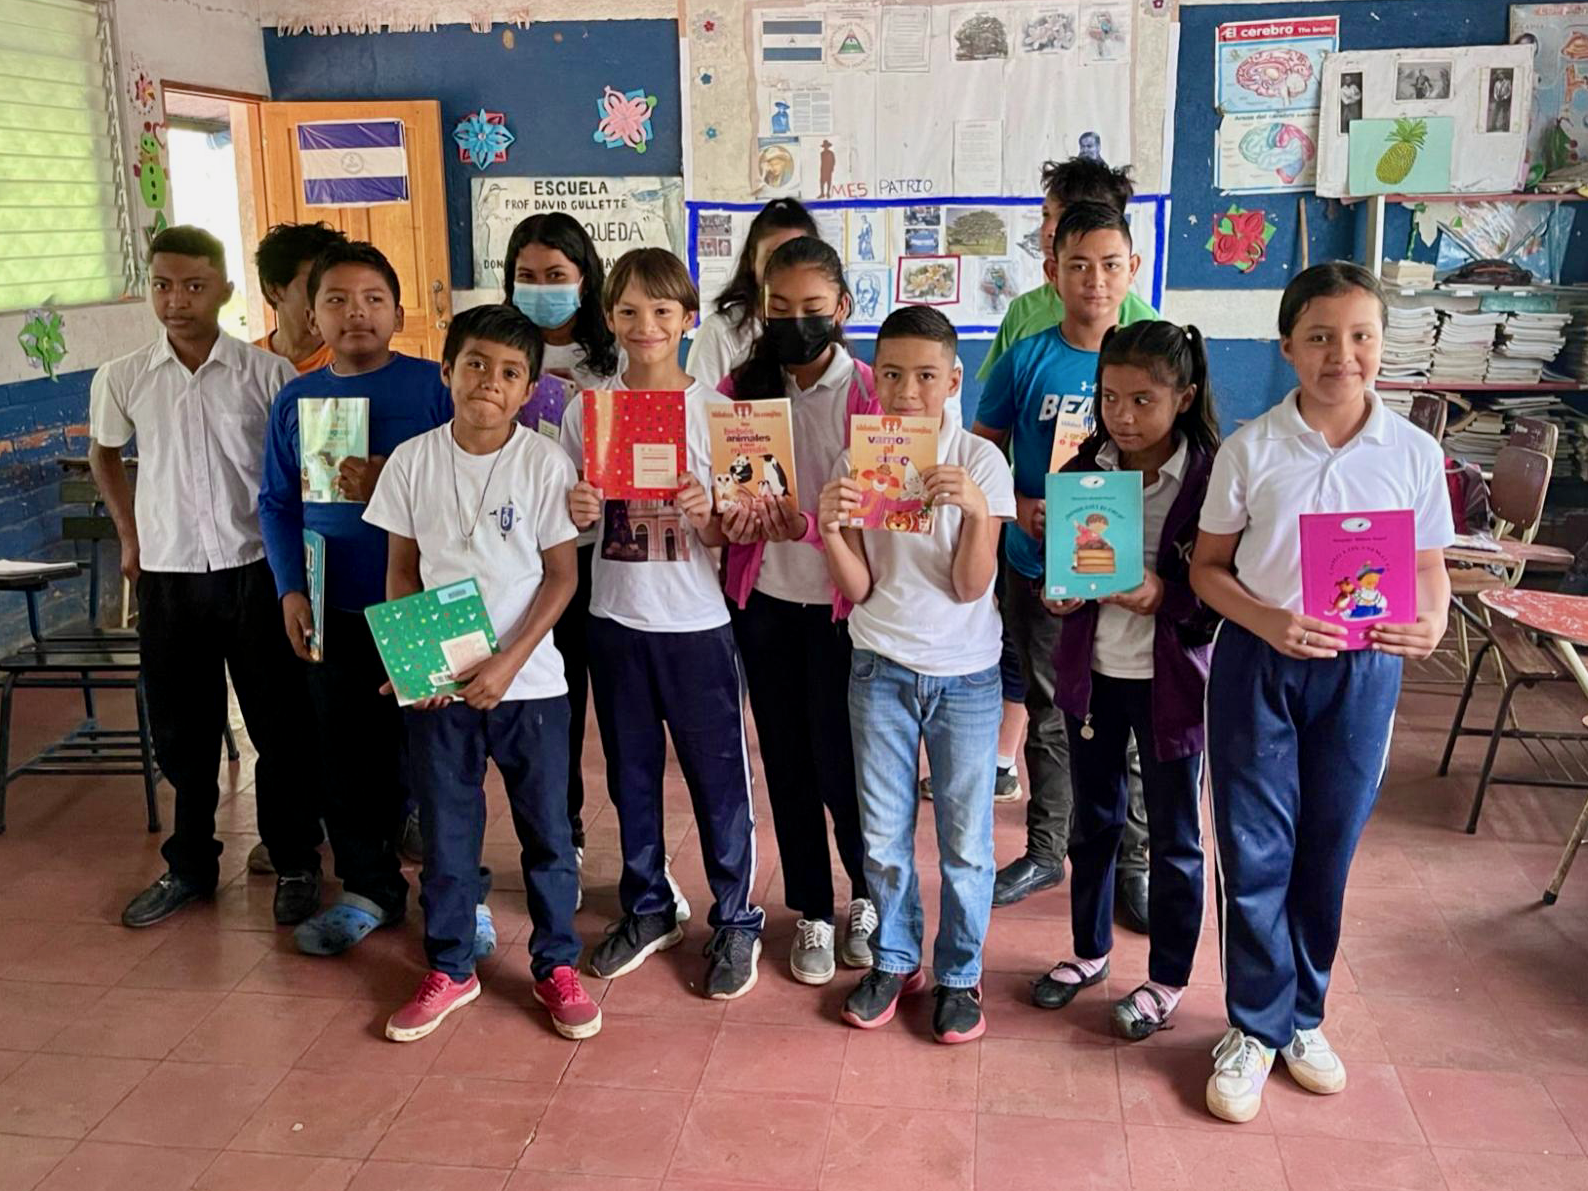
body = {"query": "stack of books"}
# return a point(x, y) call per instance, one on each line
point(1409, 274)
point(1466, 340)
point(1409, 343)
point(1479, 440)
point(1528, 341)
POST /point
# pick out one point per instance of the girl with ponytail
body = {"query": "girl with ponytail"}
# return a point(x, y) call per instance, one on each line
point(1138, 662)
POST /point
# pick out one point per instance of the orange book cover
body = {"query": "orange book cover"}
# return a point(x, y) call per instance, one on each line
point(752, 451)
point(634, 443)
point(887, 455)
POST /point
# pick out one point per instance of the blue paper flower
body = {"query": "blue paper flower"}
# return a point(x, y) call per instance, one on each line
point(711, 132)
point(483, 138)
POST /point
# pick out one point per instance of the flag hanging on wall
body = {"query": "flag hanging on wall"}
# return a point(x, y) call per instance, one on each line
point(353, 163)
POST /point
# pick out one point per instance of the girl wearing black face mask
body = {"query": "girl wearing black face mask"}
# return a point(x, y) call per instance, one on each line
point(790, 624)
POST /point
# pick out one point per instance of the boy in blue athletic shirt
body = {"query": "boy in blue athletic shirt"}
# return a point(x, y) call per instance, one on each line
point(354, 296)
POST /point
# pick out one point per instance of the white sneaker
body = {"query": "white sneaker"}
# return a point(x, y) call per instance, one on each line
point(679, 899)
point(1240, 1069)
point(811, 961)
point(857, 939)
point(578, 859)
point(1313, 1063)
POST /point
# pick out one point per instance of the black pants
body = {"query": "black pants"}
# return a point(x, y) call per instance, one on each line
point(1172, 790)
point(796, 664)
point(571, 637)
point(192, 629)
point(361, 761)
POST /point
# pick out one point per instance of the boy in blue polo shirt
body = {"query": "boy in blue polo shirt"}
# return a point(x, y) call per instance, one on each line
point(355, 299)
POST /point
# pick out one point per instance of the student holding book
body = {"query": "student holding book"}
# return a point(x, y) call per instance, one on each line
point(198, 402)
point(1042, 380)
point(722, 341)
point(789, 620)
point(1298, 727)
point(925, 667)
point(381, 398)
point(508, 528)
point(662, 657)
point(1135, 662)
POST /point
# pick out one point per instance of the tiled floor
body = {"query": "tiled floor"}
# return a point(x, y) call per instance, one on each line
point(205, 1053)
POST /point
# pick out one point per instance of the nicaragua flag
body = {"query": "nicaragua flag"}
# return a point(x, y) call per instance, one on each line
point(353, 163)
point(791, 39)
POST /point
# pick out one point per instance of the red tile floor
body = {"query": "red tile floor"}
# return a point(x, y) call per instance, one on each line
point(206, 1053)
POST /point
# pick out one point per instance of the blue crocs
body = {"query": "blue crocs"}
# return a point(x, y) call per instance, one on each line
point(342, 926)
point(484, 932)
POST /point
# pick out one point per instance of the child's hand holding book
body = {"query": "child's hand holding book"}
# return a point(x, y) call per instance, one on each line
point(355, 478)
point(947, 484)
point(584, 504)
point(837, 503)
point(694, 502)
point(298, 614)
point(1144, 600)
point(779, 519)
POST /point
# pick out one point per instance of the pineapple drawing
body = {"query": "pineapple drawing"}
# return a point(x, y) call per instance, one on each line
point(1404, 142)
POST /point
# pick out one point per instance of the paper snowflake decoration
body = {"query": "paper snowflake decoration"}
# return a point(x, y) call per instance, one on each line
point(625, 119)
point(483, 138)
point(43, 340)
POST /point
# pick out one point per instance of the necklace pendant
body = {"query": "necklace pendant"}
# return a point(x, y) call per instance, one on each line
point(468, 542)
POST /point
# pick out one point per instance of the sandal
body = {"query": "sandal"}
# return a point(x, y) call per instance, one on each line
point(1049, 993)
point(1131, 1024)
point(342, 926)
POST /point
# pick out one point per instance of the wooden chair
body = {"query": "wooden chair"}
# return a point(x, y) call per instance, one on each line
point(1536, 434)
point(1430, 412)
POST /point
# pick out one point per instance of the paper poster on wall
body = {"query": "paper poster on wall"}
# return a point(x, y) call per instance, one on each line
point(1410, 154)
point(907, 38)
point(798, 36)
point(1049, 29)
point(975, 231)
point(1262, 151)
point(866, 237)
point(830, 227)
point(619, 214)
point(1268, 85)
point(1557, 133)
point(872, 288)
point(996, 287)
point(980, 34)
point(851, 37)
point(777, 166)
point(929, 281)
point(978, 156)
point(1105, 33)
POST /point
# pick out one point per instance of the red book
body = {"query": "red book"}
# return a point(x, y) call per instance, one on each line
point(634, 443)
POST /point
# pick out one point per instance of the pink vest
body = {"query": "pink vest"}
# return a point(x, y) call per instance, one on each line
point(744, 562)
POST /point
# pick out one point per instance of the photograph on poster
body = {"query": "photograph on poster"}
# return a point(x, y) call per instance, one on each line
point(975, 231)
point(979, 35)
point(1422, 81)
point(929, 281)
point(1497, 111)
point(923, 217)
point(716, 223)
point(1048, 30)
point(922, 241)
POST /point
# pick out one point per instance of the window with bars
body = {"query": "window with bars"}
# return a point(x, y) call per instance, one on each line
point(64, 227)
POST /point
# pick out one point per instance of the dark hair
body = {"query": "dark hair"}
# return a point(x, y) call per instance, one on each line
point(657, 272)
point(285, 249)
point(554, 229)
point(741, 295)
point(761, 375)
point(354, 252)
point(494, 323)
point(1326, 281)
point(919, 322)
point(186, 240)
point(1087, 180)
point(1171, 356)
point(1080, 219)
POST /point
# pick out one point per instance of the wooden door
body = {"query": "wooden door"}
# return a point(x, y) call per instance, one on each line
point(413, 235)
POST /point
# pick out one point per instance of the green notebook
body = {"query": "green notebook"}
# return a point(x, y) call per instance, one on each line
point(425, 639)
point(314, 571)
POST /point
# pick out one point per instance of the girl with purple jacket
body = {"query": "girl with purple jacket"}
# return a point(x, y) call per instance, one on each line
point(1139, 661)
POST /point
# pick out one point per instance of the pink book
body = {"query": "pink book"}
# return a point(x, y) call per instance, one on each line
point(1359, 569)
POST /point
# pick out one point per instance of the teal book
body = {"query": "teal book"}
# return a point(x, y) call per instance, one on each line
point(314, 570)
point(1094, 534)
point(427, 638)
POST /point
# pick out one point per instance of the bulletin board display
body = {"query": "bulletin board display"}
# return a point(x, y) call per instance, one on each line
point(968, 257)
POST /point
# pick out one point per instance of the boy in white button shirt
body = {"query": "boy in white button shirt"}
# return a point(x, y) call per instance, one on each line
point(925, 666)
point(199, 403)
point(482, 497)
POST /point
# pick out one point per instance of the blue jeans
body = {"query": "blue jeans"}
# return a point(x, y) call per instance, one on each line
point(892, 708)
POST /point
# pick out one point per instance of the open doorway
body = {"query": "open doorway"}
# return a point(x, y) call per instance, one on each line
point(211, 141)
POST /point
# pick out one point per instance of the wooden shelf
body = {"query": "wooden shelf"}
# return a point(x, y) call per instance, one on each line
point(1543, 386)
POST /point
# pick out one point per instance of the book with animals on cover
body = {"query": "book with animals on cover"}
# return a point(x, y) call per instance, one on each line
point(1359, 570)
point(330, 429)
point(887, 455)
point(752, 452)
point(429, 637)
point(634, 443)
point(1094, 535)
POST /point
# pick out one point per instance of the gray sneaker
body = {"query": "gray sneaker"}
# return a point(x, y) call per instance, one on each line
point(811, 961)
point(857, 939)
point(1007, 787)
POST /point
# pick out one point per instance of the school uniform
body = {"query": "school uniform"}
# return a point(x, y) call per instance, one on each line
point(1032, 381)
point(1296, 748)
point(360, 729)
point(1119, 674)
point(662, 653)
point(720, 344)
point(925, 666)
point(205, 600)
point(521, 497)
point(793, 634)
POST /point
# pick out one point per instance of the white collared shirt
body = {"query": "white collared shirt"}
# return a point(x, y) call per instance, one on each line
point(201, 448)
point(1276, 467)
point(1122, 644)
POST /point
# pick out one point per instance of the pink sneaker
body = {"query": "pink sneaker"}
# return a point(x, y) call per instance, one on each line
point(437, 995)
point(572, 1011)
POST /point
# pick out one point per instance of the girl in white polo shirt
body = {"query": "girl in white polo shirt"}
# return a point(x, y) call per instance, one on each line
point(925, 667)
point(1297, 729)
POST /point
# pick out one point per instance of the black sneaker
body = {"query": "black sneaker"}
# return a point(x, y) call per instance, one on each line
point(958, 1016)
point(731, 970)
point(165, 897)
point(297, 897)
point(630, 941)
point(875, 998)
point(1019, 879)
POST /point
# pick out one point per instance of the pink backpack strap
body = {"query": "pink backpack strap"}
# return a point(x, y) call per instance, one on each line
point(862, 394)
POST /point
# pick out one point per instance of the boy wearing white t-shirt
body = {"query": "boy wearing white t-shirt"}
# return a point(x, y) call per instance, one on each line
point(926, 643)
point(485, 498)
